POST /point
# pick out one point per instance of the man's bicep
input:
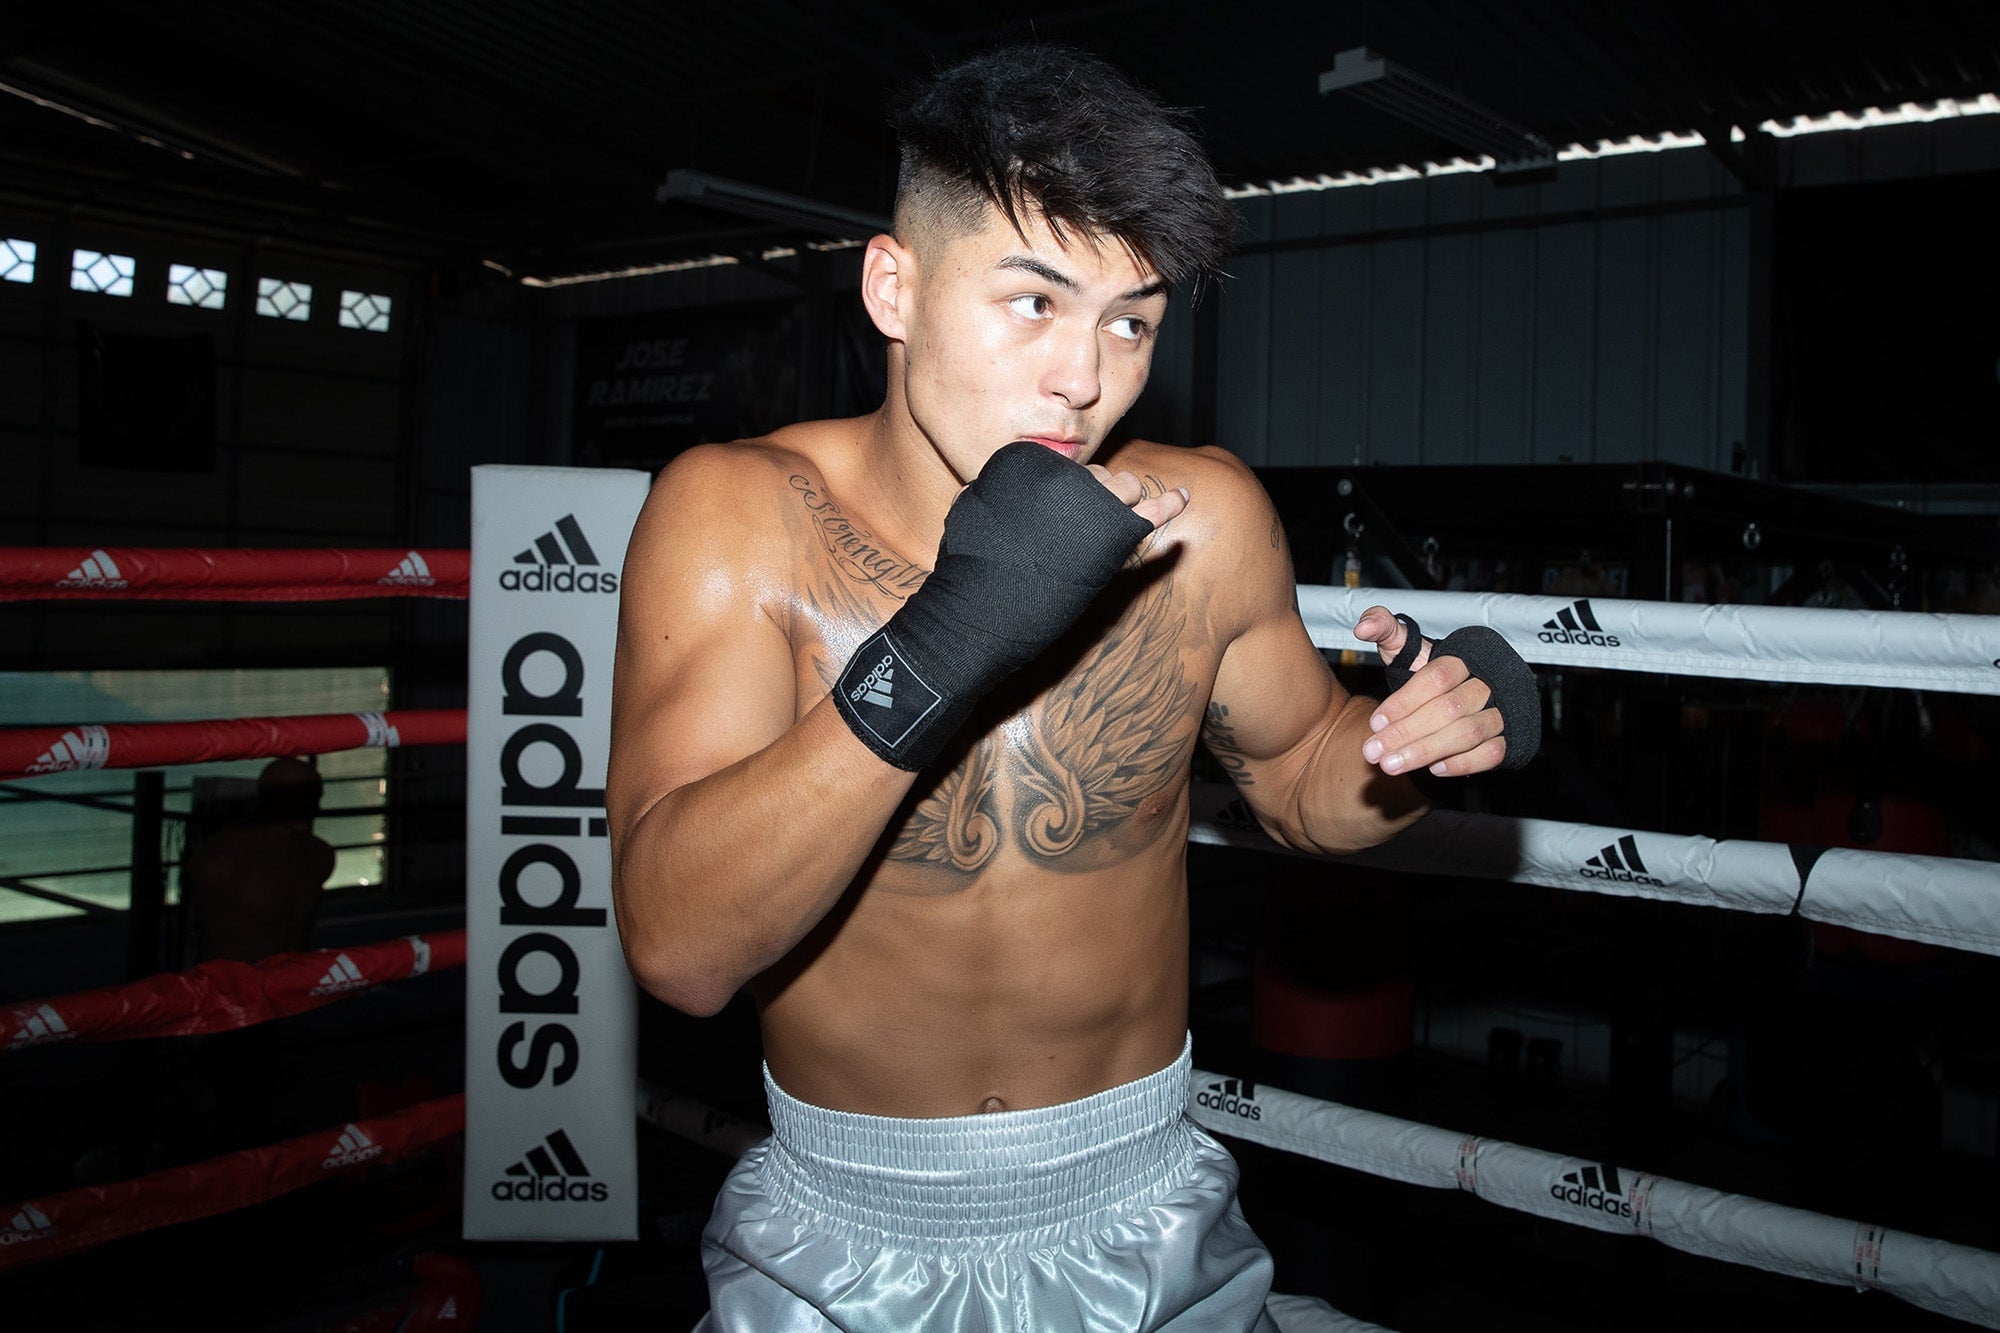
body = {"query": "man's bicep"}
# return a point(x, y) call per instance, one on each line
point(1273, 691)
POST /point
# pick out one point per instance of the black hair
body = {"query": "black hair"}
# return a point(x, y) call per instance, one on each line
point(1061, 132)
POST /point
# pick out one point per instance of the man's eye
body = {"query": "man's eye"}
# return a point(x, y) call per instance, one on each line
point(1032, 305)
point(1130, 327)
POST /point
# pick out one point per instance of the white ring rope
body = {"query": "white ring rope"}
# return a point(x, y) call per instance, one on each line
point(1951, 1279)
point(1895, 649)
point(1932, 899)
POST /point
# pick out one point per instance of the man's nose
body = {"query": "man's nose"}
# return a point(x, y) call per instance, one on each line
point(1073, 374)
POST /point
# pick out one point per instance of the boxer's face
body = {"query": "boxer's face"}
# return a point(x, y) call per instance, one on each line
point(1008, 337)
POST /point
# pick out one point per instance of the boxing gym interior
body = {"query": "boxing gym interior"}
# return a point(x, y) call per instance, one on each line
point(1661, 336)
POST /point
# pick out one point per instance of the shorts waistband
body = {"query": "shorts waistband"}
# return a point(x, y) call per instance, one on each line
point(1022, 1178)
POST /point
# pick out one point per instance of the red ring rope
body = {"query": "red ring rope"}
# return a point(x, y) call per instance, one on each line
point(79, 1218)
point(28, 751)
point(115, 573)
point(223, 994)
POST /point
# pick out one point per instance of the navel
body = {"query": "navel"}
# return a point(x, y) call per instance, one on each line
point(991, 1104)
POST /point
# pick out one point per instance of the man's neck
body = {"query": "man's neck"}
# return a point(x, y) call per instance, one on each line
point(909, 486)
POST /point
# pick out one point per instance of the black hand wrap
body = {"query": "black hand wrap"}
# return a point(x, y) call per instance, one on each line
point(1027, 546)
point(1490, 658)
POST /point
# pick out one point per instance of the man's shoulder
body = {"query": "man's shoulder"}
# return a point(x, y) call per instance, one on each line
point(1225, 499)
point(736, 471)
point(733, 496)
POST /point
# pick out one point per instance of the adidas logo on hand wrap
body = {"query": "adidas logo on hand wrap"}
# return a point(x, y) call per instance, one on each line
point(898, 697)
point(1577, 624)
point(561, 560)
point(880, 686)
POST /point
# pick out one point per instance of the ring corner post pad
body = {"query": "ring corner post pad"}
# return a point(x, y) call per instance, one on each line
point(551, 1014)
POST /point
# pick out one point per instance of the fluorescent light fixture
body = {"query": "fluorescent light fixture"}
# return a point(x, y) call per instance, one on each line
point(1875, 117)
point(754, 201)
point(1415, 100)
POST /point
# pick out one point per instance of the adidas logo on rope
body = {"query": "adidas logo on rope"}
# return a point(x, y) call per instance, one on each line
point(1576, 623)
point(1231, 1096)
point(561, 560)
point(97, 571)
point(551, 1172)
point(30, 1223)
point(342, 976)
point(80, 747)
point(413, 572)
point(1620, 863)
point(43, 1026)
point(1594, 1187)
point(352, 1148)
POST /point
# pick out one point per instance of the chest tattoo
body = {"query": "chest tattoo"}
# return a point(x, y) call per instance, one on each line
point(1102, 744)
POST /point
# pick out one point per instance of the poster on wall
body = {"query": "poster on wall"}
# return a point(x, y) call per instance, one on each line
point(648, 386)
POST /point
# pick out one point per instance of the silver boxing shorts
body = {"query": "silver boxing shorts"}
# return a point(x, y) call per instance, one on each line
point(1111, 1212)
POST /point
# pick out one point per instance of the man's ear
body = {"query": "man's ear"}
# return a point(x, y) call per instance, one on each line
point(888, 271)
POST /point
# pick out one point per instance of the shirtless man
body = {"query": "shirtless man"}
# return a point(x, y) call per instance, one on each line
point(901, 733)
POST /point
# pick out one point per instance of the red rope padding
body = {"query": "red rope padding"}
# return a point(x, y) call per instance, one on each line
point(27, 751)
point(116, 573)
point(80, 1218)
point(224, 994)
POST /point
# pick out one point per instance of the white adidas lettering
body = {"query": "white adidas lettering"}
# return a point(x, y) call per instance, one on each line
point(30, 1223)
point(353, 1146)
point(98, 570)
point(80, 747)
point(342, 976)
point(42, 1026)
point(413, 569)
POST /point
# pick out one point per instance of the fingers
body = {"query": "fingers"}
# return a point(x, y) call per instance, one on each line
point(1159, 510)
point(1380, 627)
point(1439, 721)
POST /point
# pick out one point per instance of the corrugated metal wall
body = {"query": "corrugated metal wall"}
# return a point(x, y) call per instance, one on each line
point(1602, 317)
point(1598, 318)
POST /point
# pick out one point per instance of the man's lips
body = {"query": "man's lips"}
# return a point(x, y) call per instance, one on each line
point(1067, 448)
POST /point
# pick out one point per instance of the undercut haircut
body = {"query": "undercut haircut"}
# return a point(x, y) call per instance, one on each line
point(1051, 131)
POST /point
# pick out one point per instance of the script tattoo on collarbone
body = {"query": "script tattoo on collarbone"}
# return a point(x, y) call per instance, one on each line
point(1114, 731)
point(853, 549)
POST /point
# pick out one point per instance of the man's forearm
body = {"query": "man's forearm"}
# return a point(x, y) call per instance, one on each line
point(1343, 803)
point(723, 876)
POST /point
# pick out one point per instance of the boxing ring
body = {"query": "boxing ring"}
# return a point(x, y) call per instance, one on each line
point(1936, 900)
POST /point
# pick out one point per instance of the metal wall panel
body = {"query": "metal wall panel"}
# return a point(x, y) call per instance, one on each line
point(1601, 317)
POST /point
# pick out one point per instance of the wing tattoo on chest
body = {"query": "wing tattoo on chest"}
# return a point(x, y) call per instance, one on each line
point(1116, 730)
point(1112, 732)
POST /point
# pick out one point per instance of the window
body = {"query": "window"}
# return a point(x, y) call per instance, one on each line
point(284, 300)
point(359, 310)
point(17, 260)
point(84, 853)
point(201, 287)
point(95, 271)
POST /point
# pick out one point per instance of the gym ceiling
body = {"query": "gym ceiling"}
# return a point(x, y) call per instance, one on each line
point(536, 133)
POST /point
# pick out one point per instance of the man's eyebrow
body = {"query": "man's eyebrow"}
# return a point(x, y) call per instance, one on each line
point(1056, 277)
point(1030, 264)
